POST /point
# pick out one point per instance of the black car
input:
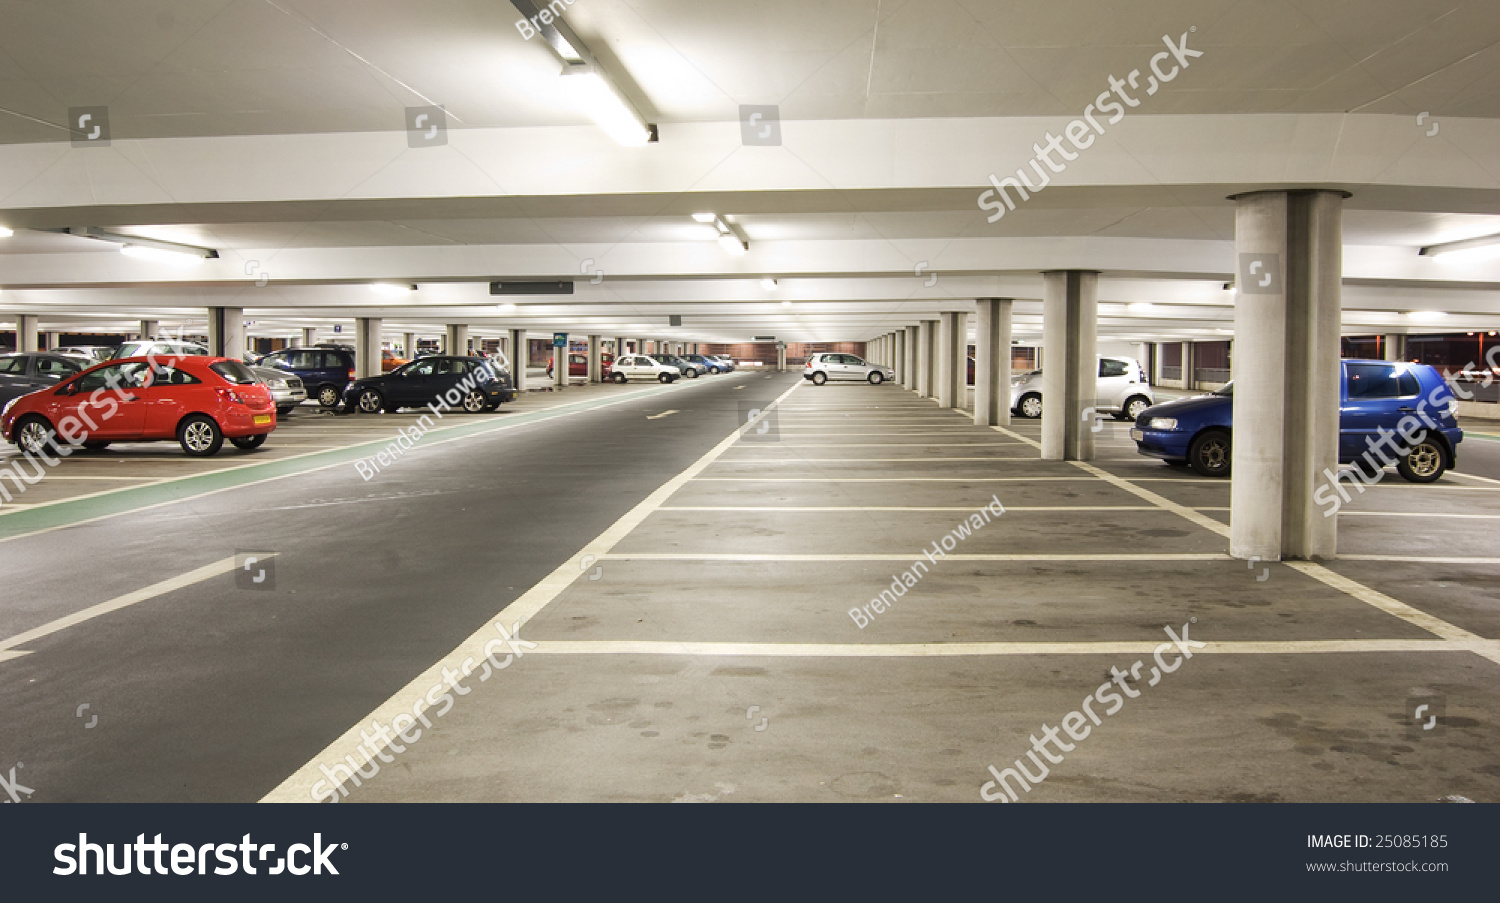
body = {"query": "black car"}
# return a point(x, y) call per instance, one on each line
point(24, 373)
point(467, 383)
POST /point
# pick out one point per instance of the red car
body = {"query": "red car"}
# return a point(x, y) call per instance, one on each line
point(198, 401)
point(578, 365)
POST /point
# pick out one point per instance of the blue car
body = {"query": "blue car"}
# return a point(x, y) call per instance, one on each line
point(1374, 396)
point(324, 369)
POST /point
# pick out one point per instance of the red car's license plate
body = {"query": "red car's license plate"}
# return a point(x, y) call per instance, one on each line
point(262, 419)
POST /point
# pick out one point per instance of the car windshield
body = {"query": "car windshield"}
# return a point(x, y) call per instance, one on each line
point(1227, 390)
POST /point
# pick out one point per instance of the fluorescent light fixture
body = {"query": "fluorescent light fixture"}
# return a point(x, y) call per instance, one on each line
point(6, 233)
point(1473, 248)
point(145, 248)
point(391, 290)
point(733, 245)
point(705, 217)
point(594, 95)
point(162, 255)
point(1141, 307)
point(768, 284)
point(506, 308)
point(786, 304)
point(563, 41)
point(1425, 316)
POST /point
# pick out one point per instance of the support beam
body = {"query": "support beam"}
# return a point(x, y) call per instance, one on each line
point(226, 332)
point(951, 328)
point(560, 364)
point(913, 341)
point(780, 357)
point(149, 328)
point(1287, 373)
point(367, 346)
point(456, 339)
point(926, 347)
point(26, 332)
point(594, 360)
point(309, 336)
point(992, 334)
point(1393, 347)
point(898, 354)
point(519, 355)
point(1070, 381)
point(409, 345)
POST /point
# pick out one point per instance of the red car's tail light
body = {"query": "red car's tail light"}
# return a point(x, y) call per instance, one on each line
point(230, 395)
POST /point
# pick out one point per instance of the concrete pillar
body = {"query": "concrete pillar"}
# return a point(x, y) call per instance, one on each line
point(560, 365)
point(26, 332)
point(594, 360)
point(408, 345)
point(926, 347)
point(1070, 381)
point(992, 362)
point(456, 339)
point(366, 346)
point(1393, 347)
point(149, 328)
point(898, 355)
point(950, 330)
point(620, 345)
point(54, 340)
point(1189, 366)
point(913, 341)
point(1286, 391)
point(226, 332)
point(780, 356)
point(309, 336)
point(519, 354)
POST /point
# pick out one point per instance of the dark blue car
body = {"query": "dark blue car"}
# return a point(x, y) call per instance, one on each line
point(1375, 396)
point(324, 369)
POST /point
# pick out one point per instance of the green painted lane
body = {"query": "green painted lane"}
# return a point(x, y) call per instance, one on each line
point(18, 522)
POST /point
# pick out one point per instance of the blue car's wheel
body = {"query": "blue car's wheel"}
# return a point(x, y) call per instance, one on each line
point(1210, 453)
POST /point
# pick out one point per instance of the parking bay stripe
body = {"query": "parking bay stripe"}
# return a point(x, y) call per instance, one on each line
point(298, 786)
point(1487, 648)
point(7, 646)
point(1371, 597)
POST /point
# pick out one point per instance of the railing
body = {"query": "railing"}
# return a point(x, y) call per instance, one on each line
point(1211, 374)
point(1171, 373)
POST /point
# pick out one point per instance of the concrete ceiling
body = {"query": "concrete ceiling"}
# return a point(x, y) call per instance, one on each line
point(271, 130)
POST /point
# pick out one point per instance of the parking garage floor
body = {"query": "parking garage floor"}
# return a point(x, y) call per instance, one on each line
point(701, 647)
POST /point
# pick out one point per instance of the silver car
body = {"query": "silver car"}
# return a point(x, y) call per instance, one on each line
point(286, 390)
point(1122, 390)
point(822, 367)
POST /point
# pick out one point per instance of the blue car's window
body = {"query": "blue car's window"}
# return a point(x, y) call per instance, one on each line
point(1380, 381)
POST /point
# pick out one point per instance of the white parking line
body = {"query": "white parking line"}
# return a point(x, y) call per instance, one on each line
point(1008, 509)
point(1343, 514)
point(802, 460)
point(907, 556)
point(909, 650)
point(1422, 559)
point(8, 646)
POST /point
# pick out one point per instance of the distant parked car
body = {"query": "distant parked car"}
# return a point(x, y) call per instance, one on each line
point(643, 366)
point(323, 371)
point(1122, 390)
point(578, 365)
point(711, 364)
point(389, 360)
point(1375, 395)
point(724, 359)
point(197, 400)
point(685, 367)
point(422, 381)
point(286, 389)
point(22, 374)
point(94, 354)
point(823, 367)
point(156, 348)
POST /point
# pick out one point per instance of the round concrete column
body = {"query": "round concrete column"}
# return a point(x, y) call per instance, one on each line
point(992, 363)
point(1287, 375)
point(1070, 381)
point(457, 337)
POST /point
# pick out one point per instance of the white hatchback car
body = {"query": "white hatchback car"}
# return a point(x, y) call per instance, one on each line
point(640, 366)
point(823, 367)
point(1123, 390)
